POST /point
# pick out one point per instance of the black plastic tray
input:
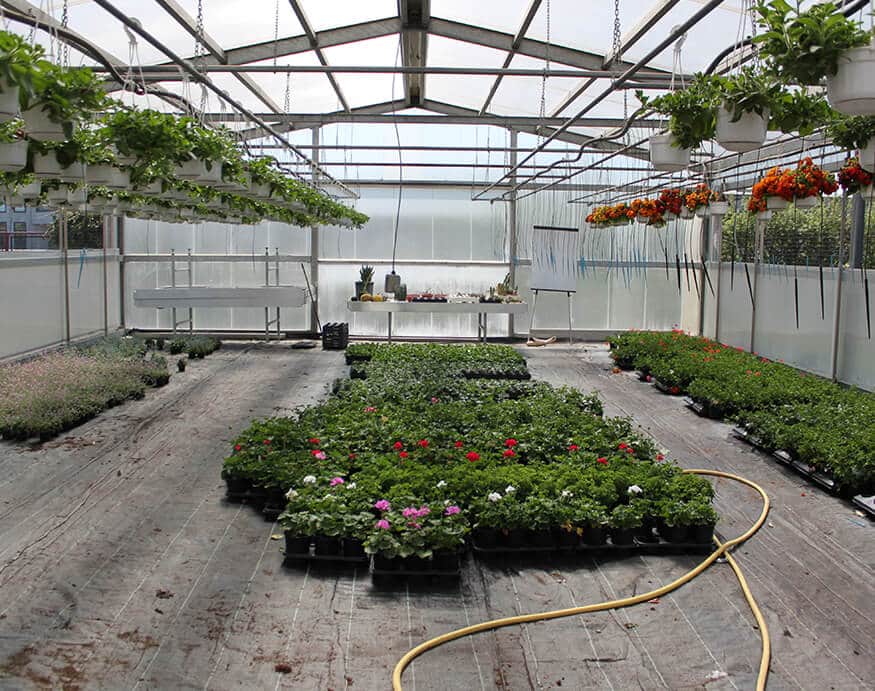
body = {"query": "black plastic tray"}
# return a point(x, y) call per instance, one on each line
point(865, 504)
point(637, 545)
point(419, 573)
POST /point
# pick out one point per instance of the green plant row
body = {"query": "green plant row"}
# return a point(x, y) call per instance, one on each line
point(816, 421)
point(414, 456)
point(50, 394)
point(194, 346)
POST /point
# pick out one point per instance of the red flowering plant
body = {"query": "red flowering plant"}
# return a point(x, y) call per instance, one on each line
point(806, 180)
point(612, 215)
point(672, 200)
point(649, 211)
point(852, 178)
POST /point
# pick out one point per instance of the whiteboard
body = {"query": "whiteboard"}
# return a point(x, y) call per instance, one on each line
point(555, 258)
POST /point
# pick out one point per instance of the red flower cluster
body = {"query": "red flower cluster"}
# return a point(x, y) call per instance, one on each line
point(852, 177)
point(806, 180)
point(653, 211)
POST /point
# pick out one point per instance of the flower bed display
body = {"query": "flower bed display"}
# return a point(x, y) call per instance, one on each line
point(414, 457)
point(818, 423)
point(50, 394)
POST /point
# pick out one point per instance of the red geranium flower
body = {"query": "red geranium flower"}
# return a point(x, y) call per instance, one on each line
point(629, 449)
point(423, 443)
point(660, 457)
point(508, 453)
point(403, 454)
point(472, 456)
point(267, 441)
point(314, 440)
point(602, 460)
point(352, 457)
point(237, 447)
point(573, 447)
point(622, 445)
point(398, 445)
point(458, 445)
point(510, 442)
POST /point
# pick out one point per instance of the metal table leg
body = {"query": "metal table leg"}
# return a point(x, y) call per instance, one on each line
point(485, 317)
point(389, 314)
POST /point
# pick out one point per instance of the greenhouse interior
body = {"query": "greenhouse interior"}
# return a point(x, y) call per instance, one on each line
point(431, 344)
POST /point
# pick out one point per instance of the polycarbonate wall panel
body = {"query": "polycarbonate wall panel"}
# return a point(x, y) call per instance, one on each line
point(856, 355)
point(336, 285)
point(735, 306)
point(32, 290)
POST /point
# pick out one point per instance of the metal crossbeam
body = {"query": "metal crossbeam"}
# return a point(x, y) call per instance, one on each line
point(314, 45)
point(415, 16)
point(517, 39)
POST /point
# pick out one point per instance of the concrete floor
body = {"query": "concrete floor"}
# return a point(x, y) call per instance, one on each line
point(121, 566)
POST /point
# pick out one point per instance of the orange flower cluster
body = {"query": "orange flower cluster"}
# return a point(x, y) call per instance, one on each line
point(612, 215)
point(699, 197)
point(852, 177)
point(806, 180)
point(653, 211)
point(673, 200)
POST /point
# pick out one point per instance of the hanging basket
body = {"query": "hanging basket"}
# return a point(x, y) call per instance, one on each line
point(57, 197)
point(153, 189)
point(807, 202)
point(764, 215)
point(119, 180)
point(665, 156)
point(98, 174)
point(30, 191)
point(46, 166)
point(14, 200)
point(211, 176)
point(718, 208)
point(745, 134)
point(774, 203)
point(13, 156)
point(190, 170)
point(8, 102)
point(852, 90)
point(867, 156)
point(686, 213)
point(41, 127)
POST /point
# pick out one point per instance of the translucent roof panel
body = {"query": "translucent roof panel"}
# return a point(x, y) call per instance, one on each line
point(235, 23)
point(326, 15)
point(522, 95)
point(309, 92)
point(366, 89)
point(505, 16)
point(469, 91)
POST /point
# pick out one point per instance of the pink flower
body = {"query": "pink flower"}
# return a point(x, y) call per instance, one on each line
point(414, 524)
point(508, 453)
point(403, 454)
point(602, 460)
point(410, 512)
point(452, 510)
point(510, 442)
point(336, 481)
point(383, 524)
point(458, 445)
point(573, 447)
point(472, 456)
point(321, 455)
point(382, 505)
point(423, 443)
point(435, 399)
point(423, 512)
point(398, 446)
point(660, 457)
point(370, 409)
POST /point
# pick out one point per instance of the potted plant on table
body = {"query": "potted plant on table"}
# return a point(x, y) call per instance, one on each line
point(365, 284)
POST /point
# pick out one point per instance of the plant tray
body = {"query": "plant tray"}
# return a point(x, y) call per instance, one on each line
point(666, 389)
point(658, 546)
point(455, 572)
point(335, 336)
point(352, 359)
point(329, 558)
point(518, 375)
point(696, 407)
point(865, 504)
point(704, 408)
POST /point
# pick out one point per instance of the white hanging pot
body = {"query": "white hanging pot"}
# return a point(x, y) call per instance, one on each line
point(8, 102)
point(718, 208)
point(852, 90)
point(807, 202)
point(42, 128)
point(58, 196)
point(119, 180)
point(78, 196)
point(701, 211)
point(867, 156)
point(686, 213)
point(296, 206)
point(261, 191)
point(13, 156)
point(665, 156)
point(98, 174)
point(190, 170)
point(30, 191)
point(13, 200)
point(46, 166)
point(211, 176)
point(745, 134)
point(774, 203)
point(764, 215)
point(151, 190)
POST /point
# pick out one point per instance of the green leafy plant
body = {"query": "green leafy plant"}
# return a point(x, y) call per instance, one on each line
point(851, 132)
point(748, 91)
point(18, 60)
point(691, 110)
point(366, 274)
point(799, 111)
point(803, 46)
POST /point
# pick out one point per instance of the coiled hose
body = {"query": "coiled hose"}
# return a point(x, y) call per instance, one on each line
point(723, 549)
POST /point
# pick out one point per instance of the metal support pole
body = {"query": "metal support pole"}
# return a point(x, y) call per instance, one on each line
point(512, 229)
point(570, 299)
point(314, 245)
point(704, 245)
point(717, 253)
point(858, 232)
point(266, 283)
point(65, 244)
point(837, 305)
point(120, 228)
point(190, 284)
point(758, 253)
point(105, 278)
point(532, 318)
point(173, 284)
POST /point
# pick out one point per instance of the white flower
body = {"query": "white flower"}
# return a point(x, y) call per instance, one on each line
point(350, 485)
point(310, 480)
point(566, 494)
point(442, 483)
point(291, 494)
point(495, 496)
point(510, 489)
point(634, 489)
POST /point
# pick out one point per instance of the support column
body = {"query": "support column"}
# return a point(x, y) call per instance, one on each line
point(65, 246)
point(758, 255)
point(512, 229)
point(105, 234)
point(120, 244)
point(837, 305)
point(858, 231)
point(314, 245)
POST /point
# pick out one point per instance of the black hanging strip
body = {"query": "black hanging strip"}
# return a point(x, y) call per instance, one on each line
point(687, 271)
point(749, 286)
point(796, 293)
point(707, 276)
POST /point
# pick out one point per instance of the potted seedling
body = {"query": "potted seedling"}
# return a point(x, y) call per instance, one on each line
point(180, 364)
point(623, 522)
point(745, 105)
point(298, 531)
point(691, 122)
point(365, 284)
point(702, 518)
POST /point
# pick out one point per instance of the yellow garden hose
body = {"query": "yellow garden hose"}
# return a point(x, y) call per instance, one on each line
point(722, 549)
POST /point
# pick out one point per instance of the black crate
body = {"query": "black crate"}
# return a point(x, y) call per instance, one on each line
point(335, 336)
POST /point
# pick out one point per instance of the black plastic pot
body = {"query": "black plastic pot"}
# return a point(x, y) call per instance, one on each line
point(237, 487)
point(622, 536)
point(297, 545)
point(644, 533)
point(276, 501)
point(445, 560)
point(384, 563)
point(486, 537)
point(594, 535)
point(352, 547)
point(327, 546)
point(517, 537)
point(675, 533)
point(567, 538)
point(701, 534)
point(416, 564)
point(257, 496)
point(542, 538)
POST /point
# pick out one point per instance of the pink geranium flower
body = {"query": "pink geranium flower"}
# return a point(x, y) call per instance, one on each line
point(336, 481)
point(383, 524)
point(382, 505)
point(452, 510)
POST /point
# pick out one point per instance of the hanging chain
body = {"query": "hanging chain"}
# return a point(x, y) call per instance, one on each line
point(65, 51)
point(617, 55)
point(276, 30)
point(543, 107)
point(287, 97)
point(199, 49)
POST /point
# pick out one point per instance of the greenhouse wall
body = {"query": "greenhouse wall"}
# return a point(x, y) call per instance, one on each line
point(32, 285)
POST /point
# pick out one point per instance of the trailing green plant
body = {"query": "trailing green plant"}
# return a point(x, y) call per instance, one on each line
point(799, 111)
point(748, 91)
point(804, 46)
point(18, 59)
point(691, 110)
point(851, 132)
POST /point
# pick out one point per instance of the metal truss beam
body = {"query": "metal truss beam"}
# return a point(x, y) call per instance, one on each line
point(415, 16)
point(317, 48)
point(517, 39)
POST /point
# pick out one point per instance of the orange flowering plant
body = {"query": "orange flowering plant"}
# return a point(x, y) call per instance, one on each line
point(611, 215)
point(806, 180)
